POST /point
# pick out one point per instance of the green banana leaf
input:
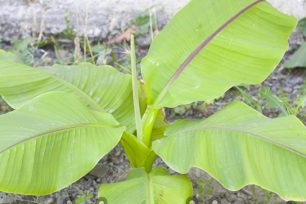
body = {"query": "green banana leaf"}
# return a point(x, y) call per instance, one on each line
point(7, 56)
point(210, 46)
point(51, 142)
point(103, 88)
point(157, 187)
point(238, 146)
point(298, 59)
point(302, 26)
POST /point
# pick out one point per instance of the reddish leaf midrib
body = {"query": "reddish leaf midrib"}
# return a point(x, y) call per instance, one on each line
point(196, 52)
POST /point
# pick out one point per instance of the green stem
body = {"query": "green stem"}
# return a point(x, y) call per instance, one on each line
point(135, 90)
point(149, 162)
point(150, 194)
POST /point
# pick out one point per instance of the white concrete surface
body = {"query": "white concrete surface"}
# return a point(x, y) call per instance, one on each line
point(97, 17)
point(295, 8)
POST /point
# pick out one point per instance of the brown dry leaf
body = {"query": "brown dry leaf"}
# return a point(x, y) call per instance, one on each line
point(124, 36)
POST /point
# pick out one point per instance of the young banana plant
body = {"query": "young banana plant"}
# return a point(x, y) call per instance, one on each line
point(66, 118)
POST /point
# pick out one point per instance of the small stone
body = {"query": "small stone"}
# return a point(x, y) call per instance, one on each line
point(232, 197)
point(214, 202)
point(239, 201)
point(49, 201)
point(191, 202)
point(143, 41)
point(224, 201)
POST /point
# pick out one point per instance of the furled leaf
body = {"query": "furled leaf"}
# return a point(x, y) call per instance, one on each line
point(135, 150)
point(298, 59)
point(210, 46)
point(160, 126)
point(103, 88)
point(51, 142)
point(239, 146)
point(156, 187)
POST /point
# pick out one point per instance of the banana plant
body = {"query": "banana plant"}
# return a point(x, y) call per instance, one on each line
point(66, 118)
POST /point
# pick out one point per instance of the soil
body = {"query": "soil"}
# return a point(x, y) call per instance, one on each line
point(115, 166)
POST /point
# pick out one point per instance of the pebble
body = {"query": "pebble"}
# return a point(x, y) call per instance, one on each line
point(214, 202)
point(49, 201)
point(224, 201)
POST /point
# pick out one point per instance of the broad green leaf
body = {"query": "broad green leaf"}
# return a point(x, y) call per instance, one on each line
point(23, 49)
point(140, 187)
point(6, 56)
point(238, 146)
point(298, 59)
point(103, 88)
point(302, 26)
point(51, 142)
point(210, 46)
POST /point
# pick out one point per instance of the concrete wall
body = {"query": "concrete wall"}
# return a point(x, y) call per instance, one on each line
point(97, 17)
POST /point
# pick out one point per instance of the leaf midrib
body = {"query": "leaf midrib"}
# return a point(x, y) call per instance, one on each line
point(80, 92)
point(57, 130)
point(197, 51)
point(256, 135)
